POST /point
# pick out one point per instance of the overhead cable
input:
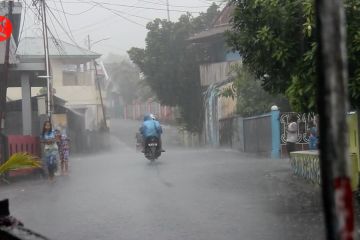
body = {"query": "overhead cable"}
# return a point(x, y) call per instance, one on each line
point(129, 6)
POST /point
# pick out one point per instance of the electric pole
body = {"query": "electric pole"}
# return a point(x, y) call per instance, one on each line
point(88, 41)
point(333, 106)
point(47, 60)
point(168, 10)
point(98, 83)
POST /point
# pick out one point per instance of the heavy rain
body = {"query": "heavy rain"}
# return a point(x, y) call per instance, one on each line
point(179, 119)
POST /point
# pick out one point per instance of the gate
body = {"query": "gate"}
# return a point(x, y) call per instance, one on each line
point(258, 134)
point(303, 122)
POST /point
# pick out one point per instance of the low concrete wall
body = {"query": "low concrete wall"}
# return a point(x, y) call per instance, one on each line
point(188, 139)
point(306, 164)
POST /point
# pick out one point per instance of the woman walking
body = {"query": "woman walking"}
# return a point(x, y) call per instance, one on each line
point(48, 138)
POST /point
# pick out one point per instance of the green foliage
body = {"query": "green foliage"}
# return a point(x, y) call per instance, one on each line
point(19, 160)
point(170, 64)
point(251, 98)
point(277, 40)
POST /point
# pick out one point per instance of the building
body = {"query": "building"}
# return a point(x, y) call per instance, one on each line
point(216, 75)
point(76, 88)
point(73, 75)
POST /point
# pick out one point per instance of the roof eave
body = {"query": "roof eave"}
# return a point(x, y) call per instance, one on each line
point(61, 56)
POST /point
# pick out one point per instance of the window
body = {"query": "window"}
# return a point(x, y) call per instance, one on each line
point(70, 79)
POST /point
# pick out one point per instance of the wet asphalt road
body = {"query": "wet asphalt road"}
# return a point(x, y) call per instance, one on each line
point(186, 195)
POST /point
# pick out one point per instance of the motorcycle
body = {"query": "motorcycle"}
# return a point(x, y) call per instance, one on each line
point(152, 148)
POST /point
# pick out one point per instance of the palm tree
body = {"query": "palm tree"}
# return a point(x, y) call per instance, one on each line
point(19, 160)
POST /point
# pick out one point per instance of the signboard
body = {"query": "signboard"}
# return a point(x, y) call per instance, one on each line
point(5, 28)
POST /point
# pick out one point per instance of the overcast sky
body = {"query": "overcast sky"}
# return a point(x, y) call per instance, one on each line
point(120, 22)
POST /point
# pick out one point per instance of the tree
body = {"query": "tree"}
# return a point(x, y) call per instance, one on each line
point(125, 78)
point(251, 98)
point(170, 64)
point(278, 43)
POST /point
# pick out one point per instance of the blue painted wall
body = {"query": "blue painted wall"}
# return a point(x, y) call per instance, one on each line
point(275, 132)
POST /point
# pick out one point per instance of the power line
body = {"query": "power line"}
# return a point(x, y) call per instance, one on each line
point(56, 43)
point(101, 21)
point(69, 34)
point(131, 6)
point(55, 40)
point(65, 31)
point(96, 5)
point(116, 13)
point(67, 23)
point(37, 16)
point(170, 5)
point(73, 14)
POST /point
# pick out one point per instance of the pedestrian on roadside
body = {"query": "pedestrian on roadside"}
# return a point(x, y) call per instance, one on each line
point(64, 153)
point(48, 138)
point(292, 135)
point(313, 136)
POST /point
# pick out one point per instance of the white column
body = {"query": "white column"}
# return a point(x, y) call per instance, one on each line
point(26, 104)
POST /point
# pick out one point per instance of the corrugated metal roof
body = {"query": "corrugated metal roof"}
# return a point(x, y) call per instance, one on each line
point(33, 47)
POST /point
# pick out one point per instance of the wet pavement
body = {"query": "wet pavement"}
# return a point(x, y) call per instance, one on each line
point(187, 194)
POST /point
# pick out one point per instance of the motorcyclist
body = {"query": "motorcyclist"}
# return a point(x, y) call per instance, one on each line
point(151, 128)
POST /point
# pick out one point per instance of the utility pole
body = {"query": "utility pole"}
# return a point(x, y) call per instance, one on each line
point(333, 106)
point(88, 41)
point(100, 94)
point(47, 60)
point(168, 10)
point(98, 84)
